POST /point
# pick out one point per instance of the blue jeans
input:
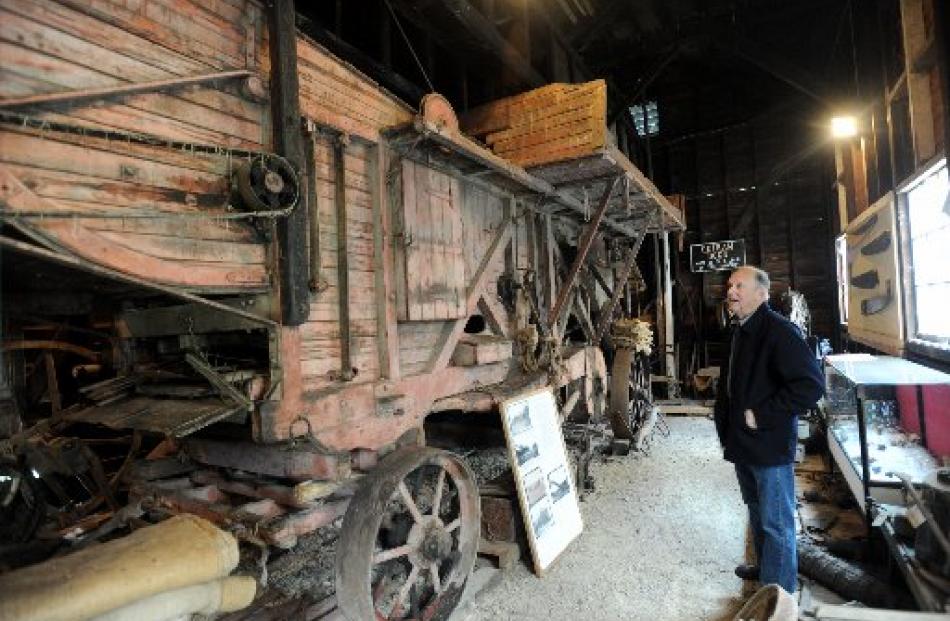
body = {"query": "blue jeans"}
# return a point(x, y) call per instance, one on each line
point(769, 492)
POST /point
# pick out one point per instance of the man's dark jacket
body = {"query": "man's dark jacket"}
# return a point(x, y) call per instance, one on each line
point(777, 377)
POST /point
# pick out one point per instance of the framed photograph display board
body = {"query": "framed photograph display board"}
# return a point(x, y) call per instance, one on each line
point(542, 474)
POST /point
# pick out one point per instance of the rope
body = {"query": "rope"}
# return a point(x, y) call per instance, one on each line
point(527, 340)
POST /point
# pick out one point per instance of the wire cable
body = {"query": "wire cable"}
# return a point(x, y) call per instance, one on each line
point(409, 44)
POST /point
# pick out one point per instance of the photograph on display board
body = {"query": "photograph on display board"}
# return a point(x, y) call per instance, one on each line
point(542, 519)
point(526, 452)
point(543, 475)
point(559, 483)
point(521, 422)
point(534, 487)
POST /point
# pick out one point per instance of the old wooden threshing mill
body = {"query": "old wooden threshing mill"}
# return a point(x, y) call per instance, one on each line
point(220, 239)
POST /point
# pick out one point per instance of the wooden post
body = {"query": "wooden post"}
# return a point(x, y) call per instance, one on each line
point(583, 248)
point(916, 43)
point(669, 347)
point(342, 257)
point(288, 141)
point(550, 277)
point(388, 335)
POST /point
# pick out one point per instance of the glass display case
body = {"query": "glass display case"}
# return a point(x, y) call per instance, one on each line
point(889, 434)
point(886, 416)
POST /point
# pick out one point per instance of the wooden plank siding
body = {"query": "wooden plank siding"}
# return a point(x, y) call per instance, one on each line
point(320, 345)
point(755, 166)
point(429, 220)
point(51, 47)
point(335, 95)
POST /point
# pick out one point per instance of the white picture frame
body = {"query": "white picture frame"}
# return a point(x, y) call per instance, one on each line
point(546, 488)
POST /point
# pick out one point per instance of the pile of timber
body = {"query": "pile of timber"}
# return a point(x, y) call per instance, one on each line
point(549, 124)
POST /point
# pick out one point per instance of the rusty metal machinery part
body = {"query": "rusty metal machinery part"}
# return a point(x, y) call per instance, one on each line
point(267, 182)
point(409, 538)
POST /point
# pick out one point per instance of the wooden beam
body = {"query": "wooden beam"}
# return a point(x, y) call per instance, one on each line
point(288, 141)
point(620, 283)
point(495, 314)
point(386, 327)
point(942, 43)
point(916, 43)
point(491, 40)
point(342, 258)
point(583, 248)
point(583, 317)
point(773, 63)
point(601, 281)
point(83, 95)
point(550, 270)
point(451, 332)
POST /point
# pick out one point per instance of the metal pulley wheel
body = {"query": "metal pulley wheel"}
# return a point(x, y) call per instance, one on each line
point(630, 399)
point(409, 538)
point(267, 182)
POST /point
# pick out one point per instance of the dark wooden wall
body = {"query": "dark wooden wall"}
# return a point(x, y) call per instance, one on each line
point(777, 170)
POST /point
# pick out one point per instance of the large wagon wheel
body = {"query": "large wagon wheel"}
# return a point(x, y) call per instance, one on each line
point(409, 538)
point(630, 395)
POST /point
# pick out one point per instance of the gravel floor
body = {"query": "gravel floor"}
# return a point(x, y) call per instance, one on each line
point(662, 535)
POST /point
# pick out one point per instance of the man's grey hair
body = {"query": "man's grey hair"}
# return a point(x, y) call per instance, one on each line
point(761, 276)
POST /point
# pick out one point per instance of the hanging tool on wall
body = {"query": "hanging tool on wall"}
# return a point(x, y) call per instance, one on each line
point(876, 304)
point(867, 280)
point(877, 245)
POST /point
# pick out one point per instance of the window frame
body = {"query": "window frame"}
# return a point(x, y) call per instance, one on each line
point(924, 347)
point(841, 267)
point(648, 110)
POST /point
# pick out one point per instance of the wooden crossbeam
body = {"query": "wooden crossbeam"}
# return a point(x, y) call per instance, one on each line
point(583, 317)
point(494, 313)
point(623, 278)
point(599, 279)
point(583, 248)
point(451, 332)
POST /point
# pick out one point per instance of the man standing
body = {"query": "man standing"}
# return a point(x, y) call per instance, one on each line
point(772, 376)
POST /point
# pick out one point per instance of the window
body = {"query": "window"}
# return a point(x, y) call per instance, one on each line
point(841, 254)
point(646, 119)
point(928, 215)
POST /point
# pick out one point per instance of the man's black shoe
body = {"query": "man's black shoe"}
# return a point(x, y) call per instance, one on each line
point(748, 572)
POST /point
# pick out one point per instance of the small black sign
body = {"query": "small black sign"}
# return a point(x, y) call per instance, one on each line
point(717, 256)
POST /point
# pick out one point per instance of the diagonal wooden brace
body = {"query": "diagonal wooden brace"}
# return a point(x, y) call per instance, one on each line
point(623, 277)
point(583, 248)
point(452, 331)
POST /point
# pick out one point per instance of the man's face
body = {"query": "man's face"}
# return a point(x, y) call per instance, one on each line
point(744, 295)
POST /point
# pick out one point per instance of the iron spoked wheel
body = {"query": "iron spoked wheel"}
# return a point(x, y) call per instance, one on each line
point(409, 538)
point(630, 395)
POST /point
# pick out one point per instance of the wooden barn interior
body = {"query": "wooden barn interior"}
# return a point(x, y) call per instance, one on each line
point(426, 309)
